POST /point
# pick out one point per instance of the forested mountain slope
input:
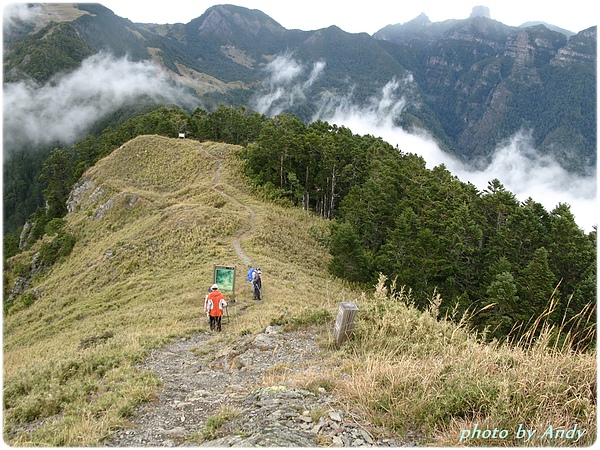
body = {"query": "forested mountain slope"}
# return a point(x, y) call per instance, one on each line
point(470, 84)
point(390, 214)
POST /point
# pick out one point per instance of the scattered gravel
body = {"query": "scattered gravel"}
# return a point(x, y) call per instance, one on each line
point(208, 377)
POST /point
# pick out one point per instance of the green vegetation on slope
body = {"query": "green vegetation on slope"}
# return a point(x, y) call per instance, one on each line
point(57, 48)
point(425, 228)
point(138, 273)
point(474, 83)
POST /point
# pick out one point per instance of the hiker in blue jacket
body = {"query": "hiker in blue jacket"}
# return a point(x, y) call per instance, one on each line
point(257, 284)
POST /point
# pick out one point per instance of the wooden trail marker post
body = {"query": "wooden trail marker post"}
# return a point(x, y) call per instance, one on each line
point(344, 324)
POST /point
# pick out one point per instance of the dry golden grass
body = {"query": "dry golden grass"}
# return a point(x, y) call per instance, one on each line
point(413, 372)
point(141, 271)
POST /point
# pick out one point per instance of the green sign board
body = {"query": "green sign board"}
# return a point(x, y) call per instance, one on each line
point(224, 277)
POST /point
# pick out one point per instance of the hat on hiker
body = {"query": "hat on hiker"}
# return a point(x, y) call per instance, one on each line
point(214, 286)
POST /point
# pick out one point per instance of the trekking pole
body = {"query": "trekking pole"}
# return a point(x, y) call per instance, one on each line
point(227, 313)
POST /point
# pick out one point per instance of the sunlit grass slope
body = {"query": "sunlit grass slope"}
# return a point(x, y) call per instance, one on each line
point(417, 372)
point(149, 229)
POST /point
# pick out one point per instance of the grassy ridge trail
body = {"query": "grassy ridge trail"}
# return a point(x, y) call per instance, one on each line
point(149, 228)
point(237, 241)
point(209, 376)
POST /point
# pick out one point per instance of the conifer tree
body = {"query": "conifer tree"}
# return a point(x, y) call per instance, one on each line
point(503, 293)
point(348, 260)
point(536, 286)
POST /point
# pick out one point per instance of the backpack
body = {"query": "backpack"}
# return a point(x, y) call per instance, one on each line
point(250, 274)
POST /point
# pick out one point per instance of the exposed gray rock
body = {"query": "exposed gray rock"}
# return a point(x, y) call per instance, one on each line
point(105, 207)
point(95, 196)
point(83, 186)
point(274, 435)
point(129, 201)
point(480, 11)
point(26, 234)
point(22, 282)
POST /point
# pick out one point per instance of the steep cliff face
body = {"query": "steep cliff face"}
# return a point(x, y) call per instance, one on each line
point(581, 49)
point(534, 46)
point(513, 68)
point(486, 81)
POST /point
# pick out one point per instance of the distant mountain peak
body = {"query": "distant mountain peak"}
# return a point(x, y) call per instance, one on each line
point(221, 19)
point(480, 11)
point(567, 33)
point(421, 19)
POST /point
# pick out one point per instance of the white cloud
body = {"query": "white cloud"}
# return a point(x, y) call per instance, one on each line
point(519, 167)
point(283, 86)
point(283, 69)
point(64, 109)
point(17, 13)
point(527, 173)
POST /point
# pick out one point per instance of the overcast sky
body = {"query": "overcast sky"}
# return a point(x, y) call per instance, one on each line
point(370, 15)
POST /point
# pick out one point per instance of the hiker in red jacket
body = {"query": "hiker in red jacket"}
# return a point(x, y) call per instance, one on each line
point(215, 302)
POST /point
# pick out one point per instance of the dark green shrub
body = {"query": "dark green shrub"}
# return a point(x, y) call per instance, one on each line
point(55, 226)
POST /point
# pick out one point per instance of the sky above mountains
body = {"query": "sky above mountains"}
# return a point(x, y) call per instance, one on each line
point(367, 16)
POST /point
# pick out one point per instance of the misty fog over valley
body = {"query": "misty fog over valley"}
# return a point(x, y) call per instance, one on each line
point(516, 163)
point(438, 177)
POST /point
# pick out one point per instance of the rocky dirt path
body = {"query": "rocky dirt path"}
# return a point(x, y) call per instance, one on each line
point(236, 242)
point(205, 379)
point(203, 376)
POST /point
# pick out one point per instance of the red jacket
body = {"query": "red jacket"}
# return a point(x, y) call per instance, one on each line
point(215, 303)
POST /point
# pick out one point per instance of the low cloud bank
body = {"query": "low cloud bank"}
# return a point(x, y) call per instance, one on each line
point(517, 164)
point(15, 14)
point(285, 84)
point(64, 109)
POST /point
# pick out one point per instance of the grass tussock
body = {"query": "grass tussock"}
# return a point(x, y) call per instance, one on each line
point(147, 234)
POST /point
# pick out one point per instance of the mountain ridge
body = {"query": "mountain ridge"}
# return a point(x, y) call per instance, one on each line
point(234, 45)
